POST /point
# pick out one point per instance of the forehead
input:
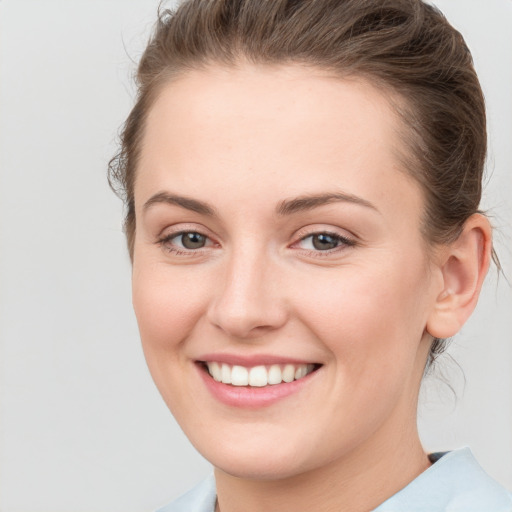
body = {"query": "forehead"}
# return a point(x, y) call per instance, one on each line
point(272, 130)
point(292, 102)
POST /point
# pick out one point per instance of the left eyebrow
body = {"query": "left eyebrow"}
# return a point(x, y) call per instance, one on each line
point(184, 202)
point(304, 203)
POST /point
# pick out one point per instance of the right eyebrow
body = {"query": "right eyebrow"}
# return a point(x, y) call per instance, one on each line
point(305, 203)
point(185, 202)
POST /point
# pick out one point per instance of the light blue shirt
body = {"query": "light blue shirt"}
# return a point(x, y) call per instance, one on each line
point(455, 483)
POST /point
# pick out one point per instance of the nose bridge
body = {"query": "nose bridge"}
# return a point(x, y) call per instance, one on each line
point(248, 301)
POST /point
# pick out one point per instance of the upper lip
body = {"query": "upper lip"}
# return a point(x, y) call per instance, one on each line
point(252, 360)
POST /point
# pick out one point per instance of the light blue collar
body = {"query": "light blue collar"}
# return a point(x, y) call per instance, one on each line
point(455, 483)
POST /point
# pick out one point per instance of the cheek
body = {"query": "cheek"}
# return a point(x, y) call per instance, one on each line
point(369, 317)
point(167, 304)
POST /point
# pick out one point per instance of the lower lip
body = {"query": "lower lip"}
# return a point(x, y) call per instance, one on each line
point(248, 397)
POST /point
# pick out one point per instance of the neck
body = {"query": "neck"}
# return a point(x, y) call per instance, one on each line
point(359, 482)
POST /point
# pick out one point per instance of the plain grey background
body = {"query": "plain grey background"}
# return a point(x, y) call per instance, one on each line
point(82, 425)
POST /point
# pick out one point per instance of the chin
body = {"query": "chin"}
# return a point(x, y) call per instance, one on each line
point(263, 459)
point(259, 469)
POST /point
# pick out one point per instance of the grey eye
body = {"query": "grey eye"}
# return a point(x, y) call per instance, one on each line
point(192, 240)
point(324, 241)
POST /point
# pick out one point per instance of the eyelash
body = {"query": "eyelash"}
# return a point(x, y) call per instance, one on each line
point(166, 241)
point(342, 241)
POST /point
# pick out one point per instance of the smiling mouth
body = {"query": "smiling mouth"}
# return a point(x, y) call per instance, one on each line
point(257, 376)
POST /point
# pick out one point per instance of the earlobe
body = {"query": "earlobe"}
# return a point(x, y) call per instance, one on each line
point(464, 264)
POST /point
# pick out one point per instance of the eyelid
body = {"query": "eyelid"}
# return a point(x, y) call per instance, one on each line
point(317, 229)
point(343, 239)
point(172, 236)
point(346, 241)
point(183, 227)
point(163, 239)
point(187, 227)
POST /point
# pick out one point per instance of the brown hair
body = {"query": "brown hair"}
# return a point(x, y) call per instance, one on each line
point(406, 47)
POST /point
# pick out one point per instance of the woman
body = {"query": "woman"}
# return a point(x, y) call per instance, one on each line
point(302, 182)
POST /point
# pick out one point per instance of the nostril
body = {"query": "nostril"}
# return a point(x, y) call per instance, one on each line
point(247, 303)
point(249, 325)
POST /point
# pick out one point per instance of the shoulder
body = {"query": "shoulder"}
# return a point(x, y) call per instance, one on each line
point(455, 483)
point(201, 498)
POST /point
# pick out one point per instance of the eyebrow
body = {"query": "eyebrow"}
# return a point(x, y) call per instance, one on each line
point(185, 202)
point(304, 203)
point(286, 207)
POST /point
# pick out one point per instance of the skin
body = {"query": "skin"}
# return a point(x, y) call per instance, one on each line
point(243, 140)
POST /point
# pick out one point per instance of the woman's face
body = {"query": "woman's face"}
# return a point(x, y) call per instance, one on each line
point(278, 240)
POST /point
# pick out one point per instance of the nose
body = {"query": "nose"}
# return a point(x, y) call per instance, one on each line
point(249, 301)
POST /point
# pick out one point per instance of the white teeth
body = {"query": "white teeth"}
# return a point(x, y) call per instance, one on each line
point(239, 376)
point(275, 375)
point(215, 371)
point(225, 373)
point(289, 373)
point(257, 376)
point(299, 372)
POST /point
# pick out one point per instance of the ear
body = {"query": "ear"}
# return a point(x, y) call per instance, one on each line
point(463, 264)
